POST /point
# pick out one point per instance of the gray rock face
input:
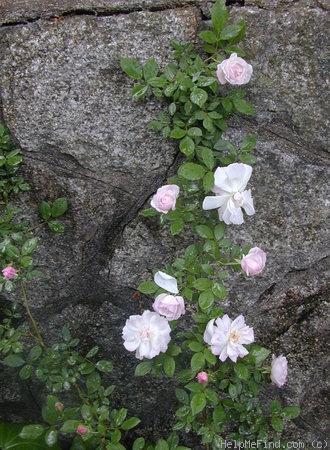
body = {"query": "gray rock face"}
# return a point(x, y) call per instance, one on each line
point(67, 104)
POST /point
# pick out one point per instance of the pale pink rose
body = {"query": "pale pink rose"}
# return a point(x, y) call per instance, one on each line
point(202, 377)
point(170, 306)
point(254, 262)
point(9, 273)
point(234, 70)
point(230, 194)
point(147, 335)
point(165, 198)
point(81, 430)
point(279, 370)
point(226, 337)
point(59, 406)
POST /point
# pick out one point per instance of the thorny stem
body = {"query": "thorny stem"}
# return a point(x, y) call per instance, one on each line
point(26, 303)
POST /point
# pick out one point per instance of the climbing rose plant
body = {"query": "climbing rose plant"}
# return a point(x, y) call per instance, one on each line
point(219, 367)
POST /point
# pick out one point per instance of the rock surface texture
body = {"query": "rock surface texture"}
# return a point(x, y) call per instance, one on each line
point(67, 104)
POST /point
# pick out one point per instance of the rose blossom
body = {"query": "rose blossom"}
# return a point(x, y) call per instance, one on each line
point(166, 282)
point(59, 406)
point(147, 335)
point(229, 186)
point(165, 198)
point(81, 430)
point(227, 336)
point(279, 370)
point(9, 273)
point(202, 377)
point(254, 262)
point(234, 70)
point(170, 306)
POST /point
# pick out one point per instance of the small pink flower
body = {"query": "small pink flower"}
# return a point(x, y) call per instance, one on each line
point(81, 430)
point(234, 70)
point(165, 198)
point(279, 370)
point(9, 273)
point(254, 262)
point(59, 406)
point(170, 306)
point(202, 377)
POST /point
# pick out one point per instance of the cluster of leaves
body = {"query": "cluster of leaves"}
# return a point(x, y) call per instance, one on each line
point(227, 406)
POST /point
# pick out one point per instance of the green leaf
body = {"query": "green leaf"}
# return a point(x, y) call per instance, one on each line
point(45, 210)
point(92, 352)
point(31, 431)
point(249, 143)
point(143, 368)
point(219, 414)
point(219, 231)
point(230, 32)
point(275, 407)
point(162, 445)
point(206, 299)
point(191, 253)
point(182, 396)
point(219, 290)
point(177, 226)
point(208, 158)
point(194, 132)
point(25, 372)
point(51, 437)
point(150, 69)
point(177, 133)
point(12, 252)
point(198, 96)
point(65, 333)
point(201, 284)
point(139, 91)
point(197, 361)
point(131, 67)
point(198, 403)
point(208, 182)
point(196, 346)
point(277, 424)
point(241, 371)
point(204, 231)
point(147, 287)
point(257, 354)
point(13, 361)
point(138, 444)
point(187, 147)
point(248, 159)
point(29, 246)
point(70, 426)
point(149, 212)
point(130, 423)
point(243, 106)
point(191, 171)
point(219, 15)
point(290, 412)
point(169, 365)
point(59, 207)
point(56, 226)
point(104, 366)
point(208, 36)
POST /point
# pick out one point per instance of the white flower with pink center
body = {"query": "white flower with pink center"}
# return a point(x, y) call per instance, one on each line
point(231, 197)
point(147, 334)
point(227, 337)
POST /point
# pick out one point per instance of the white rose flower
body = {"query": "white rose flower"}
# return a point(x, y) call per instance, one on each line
point(147, 334)
point(229, 186)
point(234, 70)
point(170, 306)
point(226, 337)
